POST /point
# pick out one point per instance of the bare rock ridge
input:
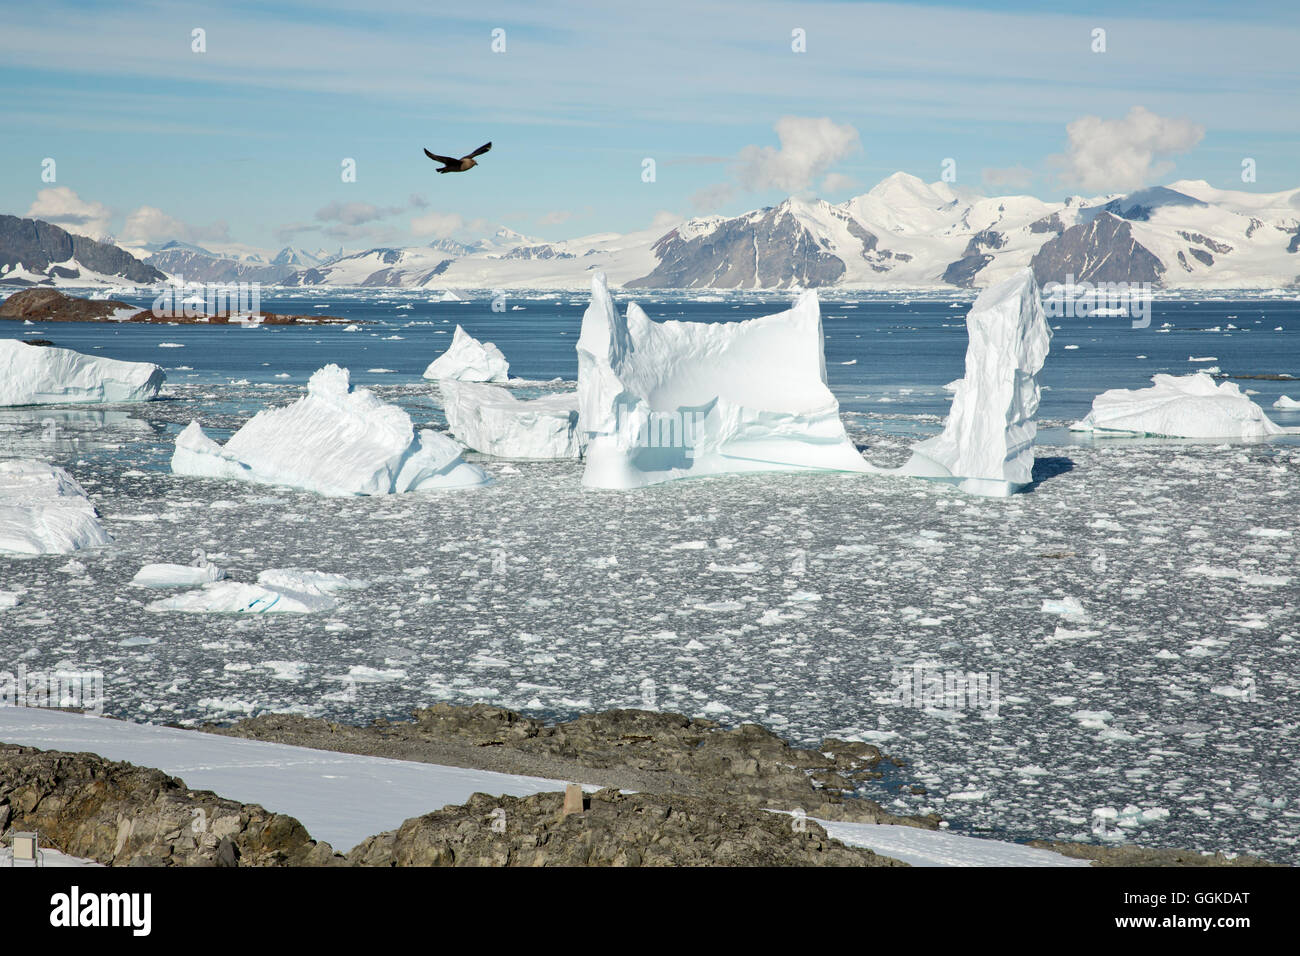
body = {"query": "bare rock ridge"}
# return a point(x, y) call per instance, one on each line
point(45, 249)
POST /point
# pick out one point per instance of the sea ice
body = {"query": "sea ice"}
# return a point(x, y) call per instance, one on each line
point(469, 360)
point(665, 400)
point(44, 375)
point(987, 444)
point(491, 420)
point(1179, 406)
point(336, 440)
point(1286, 402)
point(233, 597)
point(44, 511)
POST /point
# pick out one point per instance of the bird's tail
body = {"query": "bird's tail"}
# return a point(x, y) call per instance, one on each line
point(444, 170)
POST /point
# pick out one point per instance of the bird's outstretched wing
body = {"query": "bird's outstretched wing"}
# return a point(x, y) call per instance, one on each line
point(480, 151)
point(442, 159)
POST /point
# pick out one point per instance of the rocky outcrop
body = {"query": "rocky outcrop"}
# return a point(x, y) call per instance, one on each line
point(122, 815)
point(767, 249)
point(613, 829)
point(38, 246)
point(639, 750)
point(50, 305)
point(1146, 856)
point(1102, 250)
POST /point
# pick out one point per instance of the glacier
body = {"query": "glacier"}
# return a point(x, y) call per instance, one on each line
point(335, 440)
point(1180, 406)
point(44, 511)
point(659, 401)
point(45, 375)
point(491, 420)
point(987, 444)
point(469, 360)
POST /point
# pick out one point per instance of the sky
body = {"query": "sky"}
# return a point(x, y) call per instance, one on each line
point(737, 104)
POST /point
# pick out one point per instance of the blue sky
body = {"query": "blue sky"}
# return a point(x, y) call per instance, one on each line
point(244, 142)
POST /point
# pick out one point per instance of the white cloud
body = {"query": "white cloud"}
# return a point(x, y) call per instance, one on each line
point(809, 146)
point(151, 224)
point(554, 217)
point(837, 182)
point(665, 219)
point(354, 213)
point(440, 225)
point(1122, 154)
point(711, 197)
point(62, 207)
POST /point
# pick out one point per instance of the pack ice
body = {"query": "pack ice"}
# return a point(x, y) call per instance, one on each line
point(491, 420)
point(987, 444)
point(335, 440)
point(665, 400)
point(44, 511)
point(277, 591)
point(1179, 406)
point(44, 375)
point(469, 360)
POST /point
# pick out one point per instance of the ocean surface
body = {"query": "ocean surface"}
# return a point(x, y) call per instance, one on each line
point(885, 355)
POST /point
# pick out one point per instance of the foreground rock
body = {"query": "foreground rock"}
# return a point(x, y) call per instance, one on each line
point(44, 511)
point(43, 375)
point(1144, 856)
point(122, 815)
point(613, 829)
point(987, 444)
point(647, 751)
point(665, 400)
point(1179, 406)
point(336, 440)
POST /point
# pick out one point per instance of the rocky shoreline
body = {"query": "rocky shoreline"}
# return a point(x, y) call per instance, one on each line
point(49, 305)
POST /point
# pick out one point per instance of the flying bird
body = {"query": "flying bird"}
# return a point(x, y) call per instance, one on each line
point(461, 165)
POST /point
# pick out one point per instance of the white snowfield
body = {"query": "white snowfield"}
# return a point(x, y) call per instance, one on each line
point(1180, 406)
point(987, 444)
point(469, 360)
point(491, 420)
point(665, 400)
point(44, 375)
point(336, 440)
point(344, 798)
point(44, 511)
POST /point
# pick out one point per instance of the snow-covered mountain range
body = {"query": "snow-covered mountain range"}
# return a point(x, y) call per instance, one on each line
point(903, 234)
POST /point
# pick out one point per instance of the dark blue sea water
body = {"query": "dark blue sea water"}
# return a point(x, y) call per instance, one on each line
point(884, 354)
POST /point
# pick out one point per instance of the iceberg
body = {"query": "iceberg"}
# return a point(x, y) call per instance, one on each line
point(469, 360)
point(491, 420)
point(177, 575)
point(987, 443)
point(277, 591)
point(336, 440)
point(665, 400)
point(44, 511)
point(45, 375)
point(1179, 406)
point(1287, 403)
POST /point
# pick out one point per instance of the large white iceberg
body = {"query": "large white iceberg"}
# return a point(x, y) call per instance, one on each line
point(469, 360)
point(44, 375)
point(44, 511)
point(987, 444)
point(491, 420)
point(1179, 406)
point(336, 440)
point(665, 400)
point(177, 575)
